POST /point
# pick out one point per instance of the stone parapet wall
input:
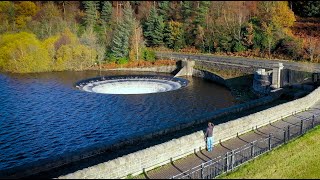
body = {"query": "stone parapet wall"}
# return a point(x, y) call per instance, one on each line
point(160, 154)
point(164, 69)
point(221, 66)
point(209, 76)
point(245, 61)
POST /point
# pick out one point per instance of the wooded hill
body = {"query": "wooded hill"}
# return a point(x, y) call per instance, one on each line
point(75, 35)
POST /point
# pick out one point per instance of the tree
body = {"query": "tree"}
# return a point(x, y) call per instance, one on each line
point(312, 47)
point(199, 40)
point(187, 10)
point(269, 35)
point(7, 16)
point(137, 42)
point(71, 54)
point(91, 15)
point(164, 9)
point(22, 53)
point(121, 37)
point(306, 8)
point(106, 12)
point(281, 15)
point(153, 29)
point(48, 21)
point(24, 11)
point(174, 35)
point(248, 35)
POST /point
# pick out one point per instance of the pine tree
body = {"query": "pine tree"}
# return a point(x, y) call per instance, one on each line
point(187, 11)
point(164, 9)
point(91, 16)
point(153, 32)
point(106, 12)
point(120, 41)
point(201, 11)
point(195, 27)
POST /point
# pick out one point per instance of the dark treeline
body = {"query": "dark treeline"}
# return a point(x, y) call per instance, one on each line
point(75, 35)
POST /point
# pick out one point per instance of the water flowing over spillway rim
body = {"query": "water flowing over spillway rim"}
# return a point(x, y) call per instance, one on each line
point(82, 83)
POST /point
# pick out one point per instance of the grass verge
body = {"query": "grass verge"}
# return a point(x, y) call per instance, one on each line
point(299, 159)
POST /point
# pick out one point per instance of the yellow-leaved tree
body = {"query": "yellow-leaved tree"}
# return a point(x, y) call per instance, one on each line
point(71, 54)
point(22, 53)
point(6, 16)
point(24, 11)
point(282, 15)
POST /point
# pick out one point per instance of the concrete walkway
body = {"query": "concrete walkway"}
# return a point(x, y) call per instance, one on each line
point(276, 128)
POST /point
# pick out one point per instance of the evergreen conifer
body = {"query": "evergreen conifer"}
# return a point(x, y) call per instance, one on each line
point(154, 29)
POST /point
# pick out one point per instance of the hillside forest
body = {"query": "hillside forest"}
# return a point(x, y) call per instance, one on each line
point(39, 36)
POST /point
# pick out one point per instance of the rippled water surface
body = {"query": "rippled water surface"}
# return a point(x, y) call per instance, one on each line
point(43, 115)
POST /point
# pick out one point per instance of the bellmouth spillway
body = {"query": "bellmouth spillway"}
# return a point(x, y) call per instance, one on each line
point(132, 84)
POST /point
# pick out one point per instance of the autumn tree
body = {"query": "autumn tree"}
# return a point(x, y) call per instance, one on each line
point(173, 35)
point(71, 54)
point(7, 16)
point(312, 48)
point(136, 42)
point(22, 53)
point(24, 11)
point(48, 21)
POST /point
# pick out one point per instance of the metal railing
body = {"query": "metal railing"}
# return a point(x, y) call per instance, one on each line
point(236, 157)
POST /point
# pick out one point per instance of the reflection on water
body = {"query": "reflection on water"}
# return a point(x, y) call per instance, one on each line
point(43, 115)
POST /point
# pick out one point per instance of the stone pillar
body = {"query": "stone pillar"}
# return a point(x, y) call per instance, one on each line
point(188, 65)
point(276, 75)
point(261, 81)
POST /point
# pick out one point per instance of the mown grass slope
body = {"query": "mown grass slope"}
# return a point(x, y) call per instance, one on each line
point(299, 159)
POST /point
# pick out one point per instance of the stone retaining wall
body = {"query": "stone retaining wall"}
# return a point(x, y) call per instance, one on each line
point(160, 154)
point(221, 66)
point(209, 76)
point(164, 69)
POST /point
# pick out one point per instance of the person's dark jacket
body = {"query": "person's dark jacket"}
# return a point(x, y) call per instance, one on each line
point(209, 131)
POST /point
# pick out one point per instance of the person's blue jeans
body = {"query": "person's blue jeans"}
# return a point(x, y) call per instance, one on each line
point(209, 143)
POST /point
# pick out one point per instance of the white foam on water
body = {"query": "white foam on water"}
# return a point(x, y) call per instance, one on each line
point(131, 86)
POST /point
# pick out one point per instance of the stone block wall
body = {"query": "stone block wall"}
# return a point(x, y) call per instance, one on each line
point(221, 66)
point(209, 76)
point(161, 154)
point(262, 81)
point(164, 69)
point(155, 156)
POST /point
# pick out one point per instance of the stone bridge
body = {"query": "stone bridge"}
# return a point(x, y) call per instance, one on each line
point(243, 62)
point(279, 73)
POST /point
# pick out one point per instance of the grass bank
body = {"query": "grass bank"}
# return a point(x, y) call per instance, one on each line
point(299, 159)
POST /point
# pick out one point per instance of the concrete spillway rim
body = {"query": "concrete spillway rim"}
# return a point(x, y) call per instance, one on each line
point(149, 84)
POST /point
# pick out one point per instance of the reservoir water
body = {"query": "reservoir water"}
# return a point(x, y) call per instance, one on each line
point(43, 115)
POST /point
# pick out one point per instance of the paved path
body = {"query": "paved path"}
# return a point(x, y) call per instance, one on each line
point(251, 62)
point(276, 128)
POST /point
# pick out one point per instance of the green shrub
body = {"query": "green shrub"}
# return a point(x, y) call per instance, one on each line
point(290, 47)
point(225, 43)
point(148, 55)
point(238, 47)
point(122, 60)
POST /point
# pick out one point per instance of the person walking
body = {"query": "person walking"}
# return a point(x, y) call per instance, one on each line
point(208, 136)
